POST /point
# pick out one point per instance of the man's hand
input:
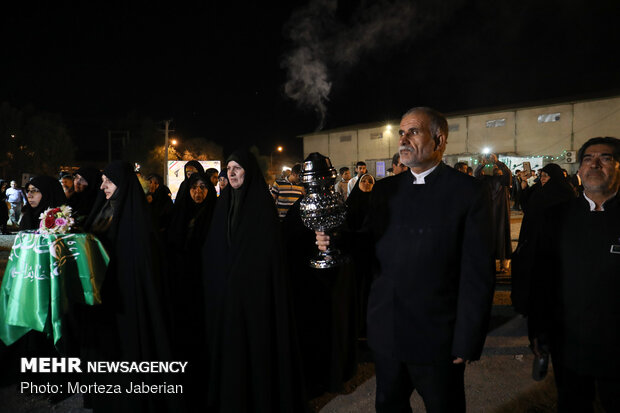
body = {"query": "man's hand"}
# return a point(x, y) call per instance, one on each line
point(322, 240)
point(458, 360)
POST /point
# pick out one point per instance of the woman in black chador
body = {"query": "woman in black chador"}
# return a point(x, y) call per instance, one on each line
point(129, 324)
point(86, 182)
point(191, 215)
point(189, 169)
point(253, 351)
point(160, 203)
point(191, 218)
point(358, 205)
point(42, 192)
point(358, 202)
point(326, 310)
point(552, 190)
point(497, 178)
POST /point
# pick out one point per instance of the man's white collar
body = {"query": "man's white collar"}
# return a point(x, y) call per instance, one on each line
point(419, 178)
point(593, 204)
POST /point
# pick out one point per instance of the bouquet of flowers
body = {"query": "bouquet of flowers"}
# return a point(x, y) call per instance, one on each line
point(56, 220)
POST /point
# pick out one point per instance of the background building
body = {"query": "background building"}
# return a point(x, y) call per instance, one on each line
point(536, 133)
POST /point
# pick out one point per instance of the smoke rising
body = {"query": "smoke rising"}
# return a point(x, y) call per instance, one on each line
point(323, 45)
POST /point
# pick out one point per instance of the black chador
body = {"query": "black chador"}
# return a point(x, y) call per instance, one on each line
point(129, 324)
point(83, 202)
point(253, 352)
point(186, 235)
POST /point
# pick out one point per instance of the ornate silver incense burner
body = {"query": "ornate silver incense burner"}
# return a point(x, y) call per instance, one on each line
point(322, 209)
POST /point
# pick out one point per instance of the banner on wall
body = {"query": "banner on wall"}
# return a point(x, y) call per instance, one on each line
point(176, 171)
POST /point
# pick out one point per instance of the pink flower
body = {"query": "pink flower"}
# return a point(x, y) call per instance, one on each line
point(60, 222)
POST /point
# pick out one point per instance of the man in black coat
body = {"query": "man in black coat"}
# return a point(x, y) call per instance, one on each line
point(574, 307)
point(430, 303)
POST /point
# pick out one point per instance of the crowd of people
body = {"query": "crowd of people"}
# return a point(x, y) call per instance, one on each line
point(221, 281)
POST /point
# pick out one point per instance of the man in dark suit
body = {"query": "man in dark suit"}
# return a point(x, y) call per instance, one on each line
point(430, 303)
point(575, 309)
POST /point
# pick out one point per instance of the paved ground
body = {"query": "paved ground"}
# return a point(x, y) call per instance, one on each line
point(501, 375)
point(6, 241)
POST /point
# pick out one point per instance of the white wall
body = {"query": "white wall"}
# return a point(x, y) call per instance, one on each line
point(521, 135)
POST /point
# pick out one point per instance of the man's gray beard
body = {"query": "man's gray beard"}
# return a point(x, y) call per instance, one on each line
point(411, 163)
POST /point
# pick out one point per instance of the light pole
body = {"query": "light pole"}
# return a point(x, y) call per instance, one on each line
point(167, 143)
point(279, 149)
point(172, 142)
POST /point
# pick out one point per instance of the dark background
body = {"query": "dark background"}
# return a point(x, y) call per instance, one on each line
point(217, 69)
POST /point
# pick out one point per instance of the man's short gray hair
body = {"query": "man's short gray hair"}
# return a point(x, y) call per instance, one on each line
point(439, 123)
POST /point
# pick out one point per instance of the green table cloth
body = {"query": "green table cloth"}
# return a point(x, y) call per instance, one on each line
point(45, 275)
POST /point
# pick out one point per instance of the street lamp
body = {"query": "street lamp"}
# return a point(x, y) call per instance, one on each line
point(168, 142)
point(279, 149)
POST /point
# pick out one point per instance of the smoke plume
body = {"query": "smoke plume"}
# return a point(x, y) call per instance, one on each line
point(323, 44)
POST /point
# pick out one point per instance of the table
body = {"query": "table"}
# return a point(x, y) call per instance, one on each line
point(45, 275)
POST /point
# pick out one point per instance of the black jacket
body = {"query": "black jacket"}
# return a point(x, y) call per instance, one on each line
point(436, 272)
point(579, 306)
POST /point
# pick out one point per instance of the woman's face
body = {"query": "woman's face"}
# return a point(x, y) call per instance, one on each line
point(67, 184)
point(198, 191)
point(366, 184)
point(107, 187)
point(236, 174)
point(190, 170)
point(79, 183)
point(34, 196)
point(544, 178)
point(153, 185)
point(223, 182)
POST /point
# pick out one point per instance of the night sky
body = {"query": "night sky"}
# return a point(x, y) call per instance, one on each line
point(227, 71)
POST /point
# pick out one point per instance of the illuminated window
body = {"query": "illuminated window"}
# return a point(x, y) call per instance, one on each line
point(377, 135)
point(380, 168)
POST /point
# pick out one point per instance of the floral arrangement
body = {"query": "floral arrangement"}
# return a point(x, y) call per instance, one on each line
point(56, 220)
